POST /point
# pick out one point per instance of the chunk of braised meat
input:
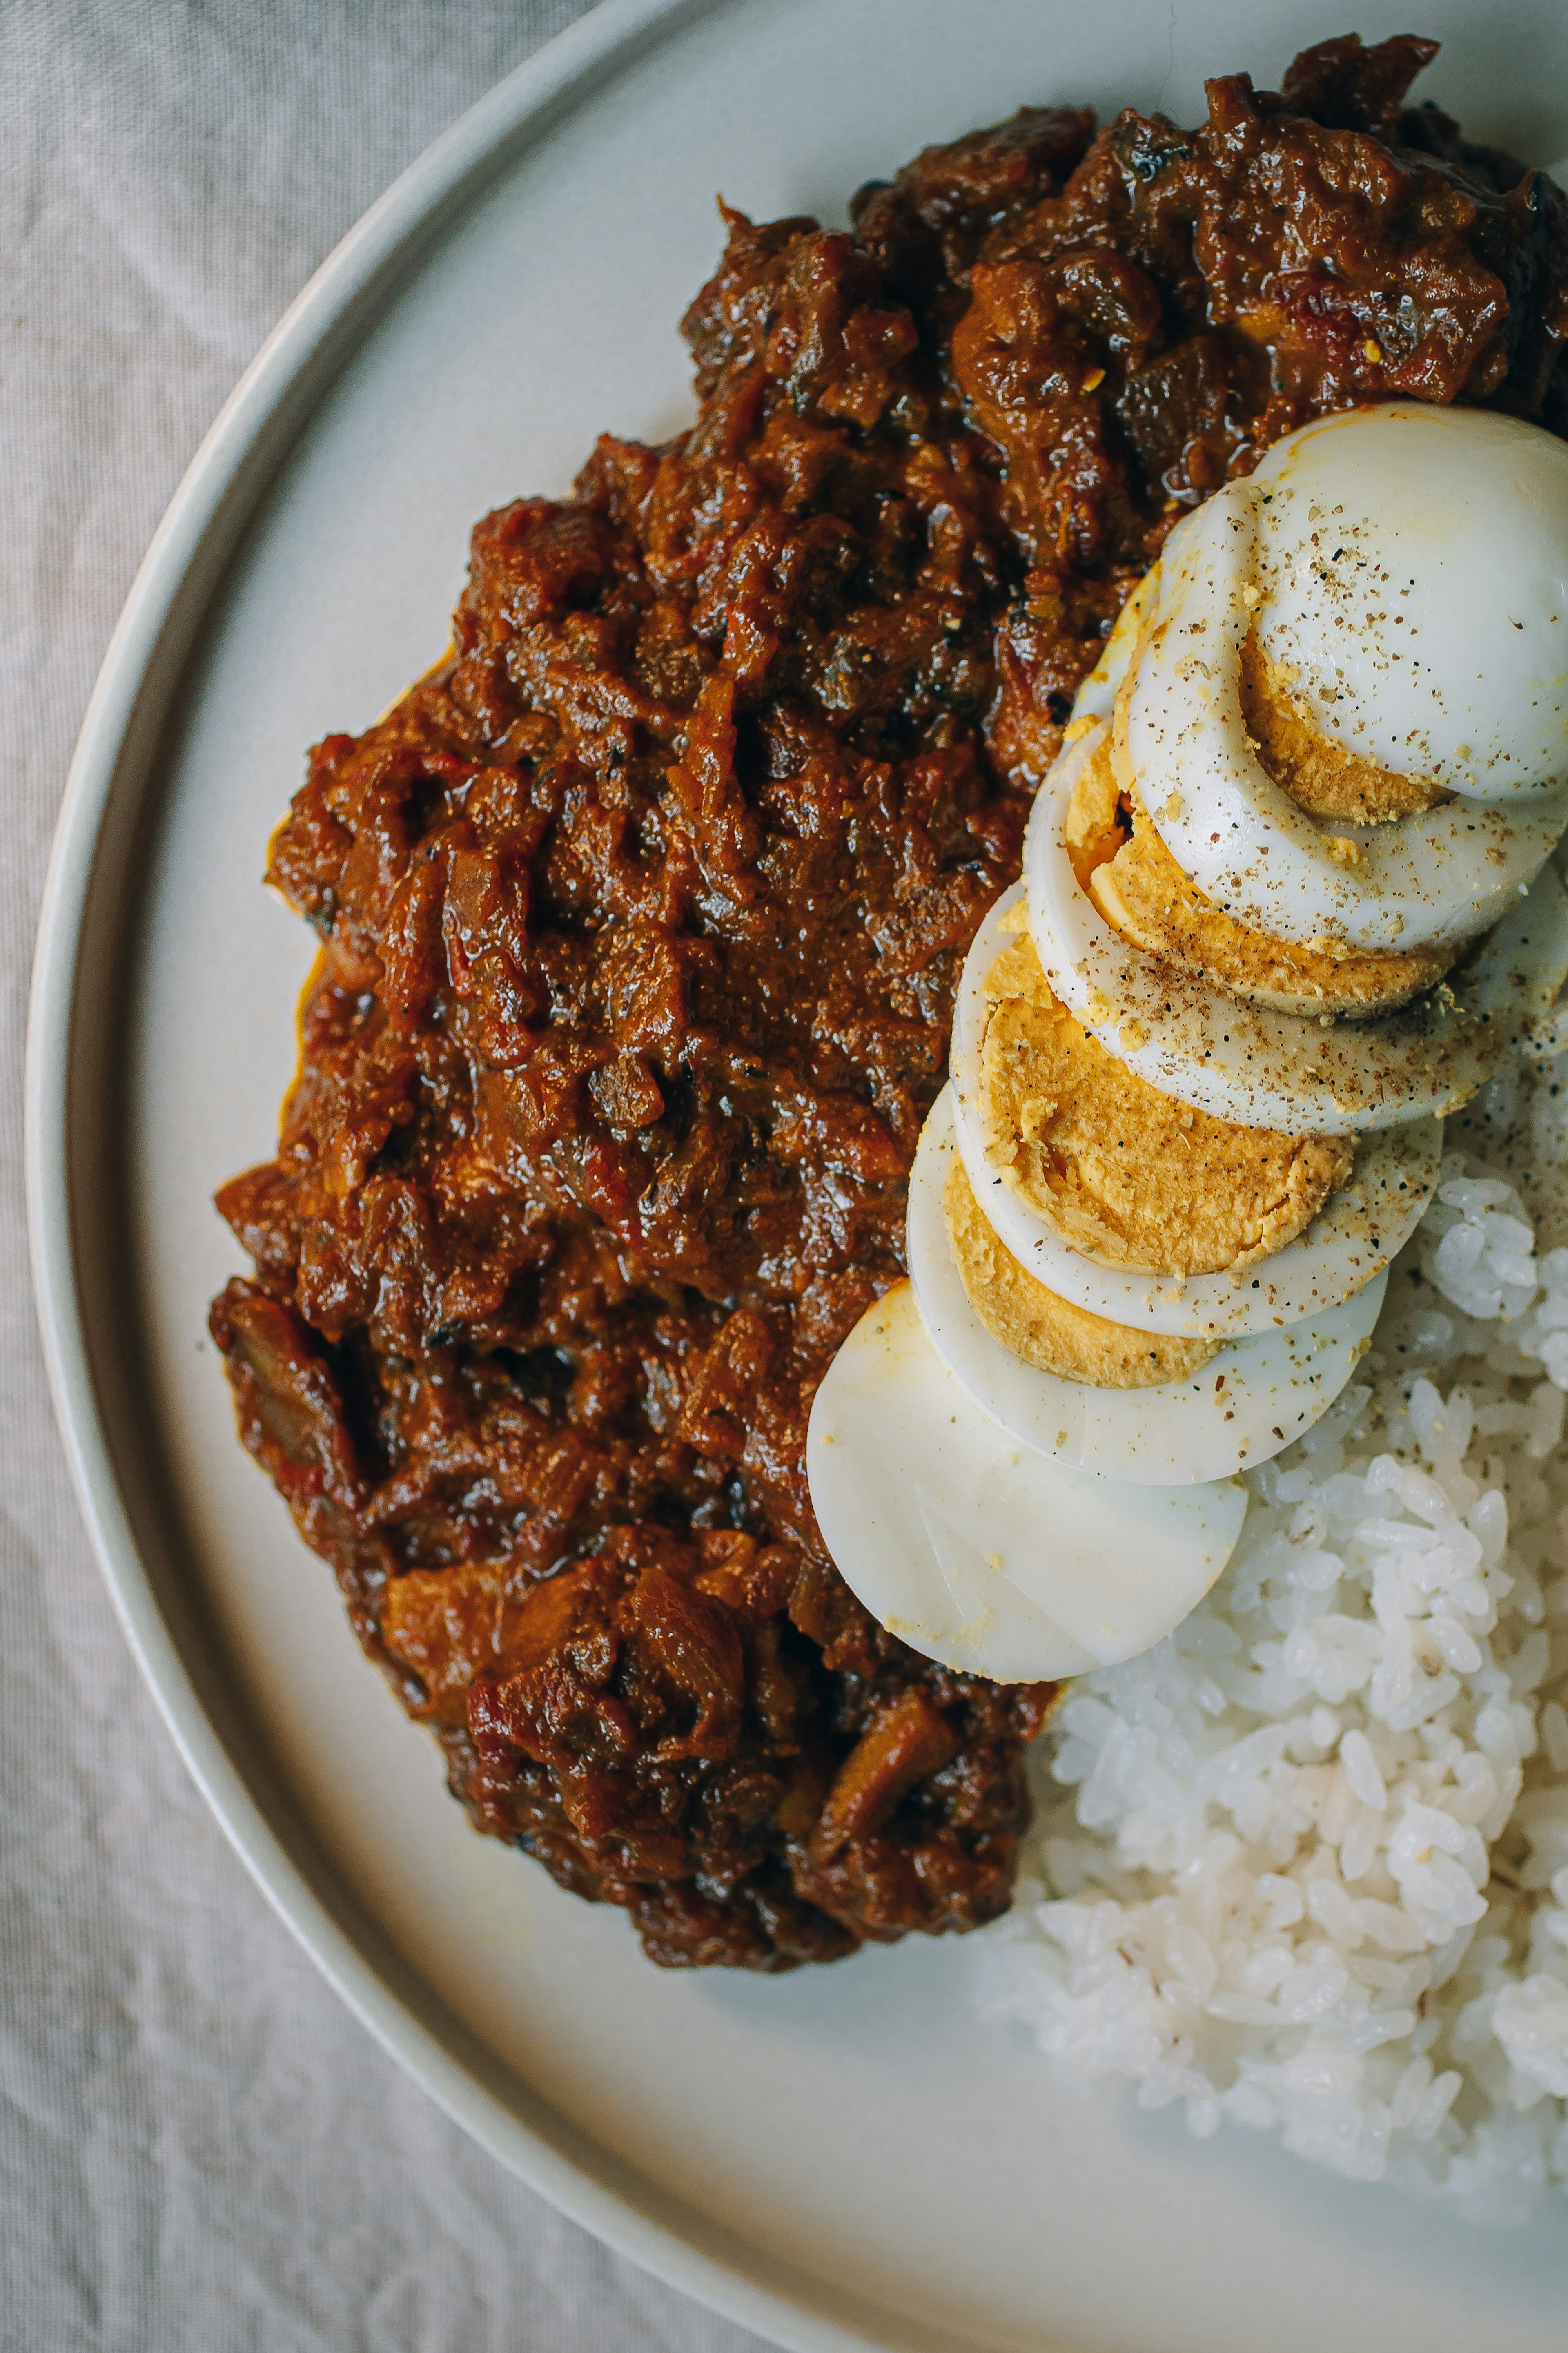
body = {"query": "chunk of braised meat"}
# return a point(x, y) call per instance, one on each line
point(925, 227)
point(640, 920)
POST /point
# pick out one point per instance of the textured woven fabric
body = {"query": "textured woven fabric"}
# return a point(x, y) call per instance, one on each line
point(200, 2151)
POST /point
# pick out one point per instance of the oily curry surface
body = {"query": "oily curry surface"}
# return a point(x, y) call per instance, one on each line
point(640, 920)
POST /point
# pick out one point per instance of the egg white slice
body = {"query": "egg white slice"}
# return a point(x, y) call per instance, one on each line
point(1438, 876)
point(1356, 1233)
point(974, 1549)
point(1262, 1069)
point(1250, 1400)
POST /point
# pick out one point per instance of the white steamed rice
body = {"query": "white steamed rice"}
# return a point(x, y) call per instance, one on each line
point(1305, 1865)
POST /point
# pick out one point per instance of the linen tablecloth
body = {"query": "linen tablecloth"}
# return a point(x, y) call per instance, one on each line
point(200, 2151)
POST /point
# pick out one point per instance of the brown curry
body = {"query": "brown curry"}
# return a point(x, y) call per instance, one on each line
point(640, 918)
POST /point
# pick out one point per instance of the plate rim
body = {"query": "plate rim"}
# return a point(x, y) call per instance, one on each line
point(137, 686)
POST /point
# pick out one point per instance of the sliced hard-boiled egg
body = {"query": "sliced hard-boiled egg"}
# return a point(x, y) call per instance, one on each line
point(975, 1550)
point(1428, 877)
point(1413, 563)
point(1286, 1071)
point(1352, 1238)
point(1240, 1407)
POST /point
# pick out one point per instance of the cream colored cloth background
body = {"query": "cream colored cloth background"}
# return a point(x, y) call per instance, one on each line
point(200, 2151)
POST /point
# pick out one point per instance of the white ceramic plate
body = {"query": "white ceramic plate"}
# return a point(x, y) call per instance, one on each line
point(847, 2156)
